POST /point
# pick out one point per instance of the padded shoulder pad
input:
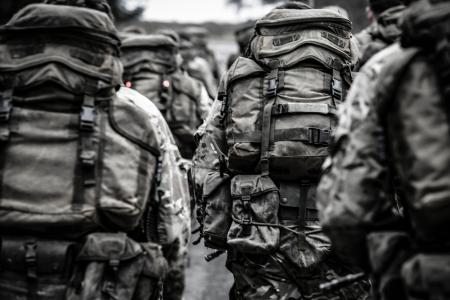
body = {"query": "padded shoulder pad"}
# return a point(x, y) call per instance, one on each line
point(243, 67)
point(133, 123)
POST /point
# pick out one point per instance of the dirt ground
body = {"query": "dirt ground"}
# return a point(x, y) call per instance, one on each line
point(206, 281)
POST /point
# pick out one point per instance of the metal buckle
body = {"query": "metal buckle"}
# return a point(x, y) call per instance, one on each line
point(336, 86)
point(247, 220)
point(87, 118)
point(280, 109)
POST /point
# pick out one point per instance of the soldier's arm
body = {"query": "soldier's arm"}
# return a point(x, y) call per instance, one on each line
point(354, 191)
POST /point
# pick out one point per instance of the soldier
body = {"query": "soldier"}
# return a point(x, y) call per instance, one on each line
point(258, 162)
point(198, 67)
point(152, 67)
point(198, 37)
point(384, 198)
point(243, 35)
point(89, 181)
point(383, 31)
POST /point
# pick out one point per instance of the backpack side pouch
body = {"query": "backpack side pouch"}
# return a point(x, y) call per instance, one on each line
point(255, 227)
point(216, 206)
point(115, 266)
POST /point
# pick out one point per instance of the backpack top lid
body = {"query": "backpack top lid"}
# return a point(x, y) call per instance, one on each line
point(283, 17)
point(148, 41)
point(47, 17)
point(66, 45)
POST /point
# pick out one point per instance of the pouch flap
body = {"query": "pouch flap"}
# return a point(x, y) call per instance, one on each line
point(133, 123)
point(213, 181)
point(242, 68)
point(46, 16)
point(251, 185)
point(108, 246)
point(50, 256)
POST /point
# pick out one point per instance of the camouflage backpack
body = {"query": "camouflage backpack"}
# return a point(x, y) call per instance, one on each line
point(75, 158)
point(151, 68)
point(280, 105)
point(279, 110)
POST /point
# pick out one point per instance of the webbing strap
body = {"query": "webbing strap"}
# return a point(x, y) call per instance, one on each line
point(337, 86)
point(31, 269)
point(85, 171)
point(5, 116)
point(307, 135)
point(271, 82)
point(5, 113)
point(294, 108)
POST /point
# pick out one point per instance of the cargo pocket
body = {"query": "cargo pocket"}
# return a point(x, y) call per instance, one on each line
point(255, 226)
point(427, 276)
point(216, 210)
point(113, 266)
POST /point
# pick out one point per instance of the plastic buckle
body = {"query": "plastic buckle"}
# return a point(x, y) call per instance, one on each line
point(272, 89)
point(87, 158)
point(336, 87)
point(247, 220)
point(280, 109)
point(30, 259)
point(314, 136)
point(87, 118)
point(324, 137)
point(5, 109)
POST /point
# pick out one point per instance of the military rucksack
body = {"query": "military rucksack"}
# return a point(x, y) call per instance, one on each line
point(151, 68)
point(74, 158)
point(279, 110)
point(280, 105)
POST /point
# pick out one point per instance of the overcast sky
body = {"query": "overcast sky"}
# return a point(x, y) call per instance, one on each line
point(202, 10)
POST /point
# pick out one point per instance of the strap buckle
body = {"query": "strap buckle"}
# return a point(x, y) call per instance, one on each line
point(280, 109)
point(272, 88)
point(320, 137)
point(5, 106)
point(336, 85)
point(87, 118)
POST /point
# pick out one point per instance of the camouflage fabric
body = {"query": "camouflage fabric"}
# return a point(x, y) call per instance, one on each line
point(174, 196)
point(380, 34)
point(360, 143)
point(391, 148)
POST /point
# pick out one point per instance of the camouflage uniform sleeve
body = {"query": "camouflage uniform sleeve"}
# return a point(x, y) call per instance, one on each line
point(211, 148)
point(172, 186)
point(204, 102)
point(353, 193)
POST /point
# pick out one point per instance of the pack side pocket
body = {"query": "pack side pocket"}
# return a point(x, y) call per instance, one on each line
point(216, 210)
point(115, 266)
point(255, 226)
point(427, 276)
